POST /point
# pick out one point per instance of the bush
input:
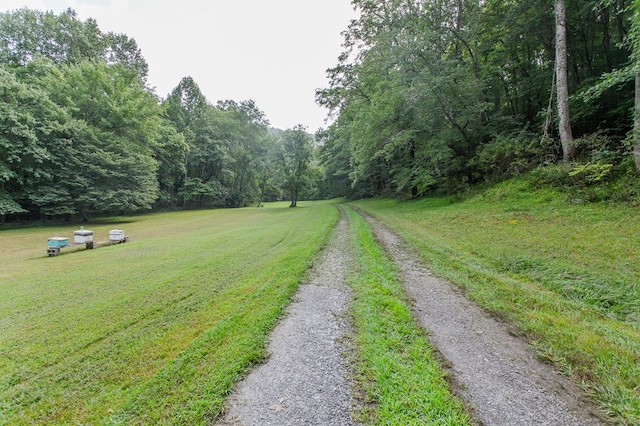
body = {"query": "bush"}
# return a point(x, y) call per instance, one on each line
point(512, 154)
point(589, 173)
point(600, 148)
point(591, 182)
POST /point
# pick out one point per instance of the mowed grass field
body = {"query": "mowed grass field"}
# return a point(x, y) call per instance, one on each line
point(154, 331)
point(566, 275)
point(157, 330)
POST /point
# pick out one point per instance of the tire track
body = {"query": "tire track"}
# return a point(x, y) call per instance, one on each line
point(304, 380)
point(495, 373)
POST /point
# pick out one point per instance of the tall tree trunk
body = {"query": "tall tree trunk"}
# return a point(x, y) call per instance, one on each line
point(566, 136)
point(636, 124)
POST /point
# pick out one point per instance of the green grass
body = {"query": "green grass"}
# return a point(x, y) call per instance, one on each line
point(568, 276)
point(396, 367)
point(154, 331)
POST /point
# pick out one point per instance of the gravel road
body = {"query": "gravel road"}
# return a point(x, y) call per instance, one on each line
point(304, 380)
point(496, 373)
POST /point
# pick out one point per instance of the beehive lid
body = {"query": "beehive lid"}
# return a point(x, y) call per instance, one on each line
point(58, 239)
point(83, 232)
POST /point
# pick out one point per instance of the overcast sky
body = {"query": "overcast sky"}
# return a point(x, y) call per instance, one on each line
point(275, 52)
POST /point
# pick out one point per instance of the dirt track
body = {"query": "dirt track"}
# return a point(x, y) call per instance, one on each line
point(495, 373)
point(304, 380)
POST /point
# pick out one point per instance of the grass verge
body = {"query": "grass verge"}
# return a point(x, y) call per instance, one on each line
point(566, 275)
point(154, 331)
point(401, 379)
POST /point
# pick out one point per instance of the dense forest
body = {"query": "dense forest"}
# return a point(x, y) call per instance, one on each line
point(82, 133)
point(441, 95)
point(428, 96)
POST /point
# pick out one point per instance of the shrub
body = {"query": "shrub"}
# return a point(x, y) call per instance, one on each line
point(511, 154)
point(589, 173)
point(600, 148)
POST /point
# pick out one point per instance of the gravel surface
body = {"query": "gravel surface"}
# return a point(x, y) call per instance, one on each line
point(495, 372)
point(303, 382)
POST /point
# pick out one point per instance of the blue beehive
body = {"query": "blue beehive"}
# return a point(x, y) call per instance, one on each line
point(57, 242)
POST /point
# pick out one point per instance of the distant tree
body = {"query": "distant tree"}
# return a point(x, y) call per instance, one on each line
point(294, 160)
point(194, 118)
point(334, 156)
point(267, 170)
point(28, 119)
point(244, 135)
point(227, 147)
point(170, 151)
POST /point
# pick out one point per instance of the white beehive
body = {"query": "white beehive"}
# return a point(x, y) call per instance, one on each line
point(116, 235)
point(83, 236)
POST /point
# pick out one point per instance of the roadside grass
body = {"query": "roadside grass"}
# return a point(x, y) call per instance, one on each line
point(567, 276)
point(401, 380)
point(154, 331)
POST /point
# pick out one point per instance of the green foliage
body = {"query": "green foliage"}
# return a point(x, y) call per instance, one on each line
point(227, 144)
point(80, 131)
point(294, 160)
point(434, 96)
point(108, 164)
point(511, 154)
point(201, 194)
point(590, 173)
point(8, 206)
point(600, 148)
point(31, 131)
point(27, 34)
point(334, 155)
point(589, 182)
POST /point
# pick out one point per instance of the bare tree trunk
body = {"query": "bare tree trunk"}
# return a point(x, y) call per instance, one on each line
point(636, 125)
point(566, 136)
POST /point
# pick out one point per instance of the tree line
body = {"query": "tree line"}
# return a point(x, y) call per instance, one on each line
point(439, 95)
point(427, 96)
point(82, 133)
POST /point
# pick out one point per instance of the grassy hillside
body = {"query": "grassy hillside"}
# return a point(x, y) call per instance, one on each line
point(567, 276)
point(153, 331)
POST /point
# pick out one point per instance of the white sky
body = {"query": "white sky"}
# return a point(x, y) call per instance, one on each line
point(275, 52)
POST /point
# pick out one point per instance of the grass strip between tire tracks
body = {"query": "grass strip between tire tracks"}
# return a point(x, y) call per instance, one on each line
point(397, 369)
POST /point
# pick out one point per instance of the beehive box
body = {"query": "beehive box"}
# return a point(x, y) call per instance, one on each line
point(116, 235)
point(57, 242)
point(83, 236)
